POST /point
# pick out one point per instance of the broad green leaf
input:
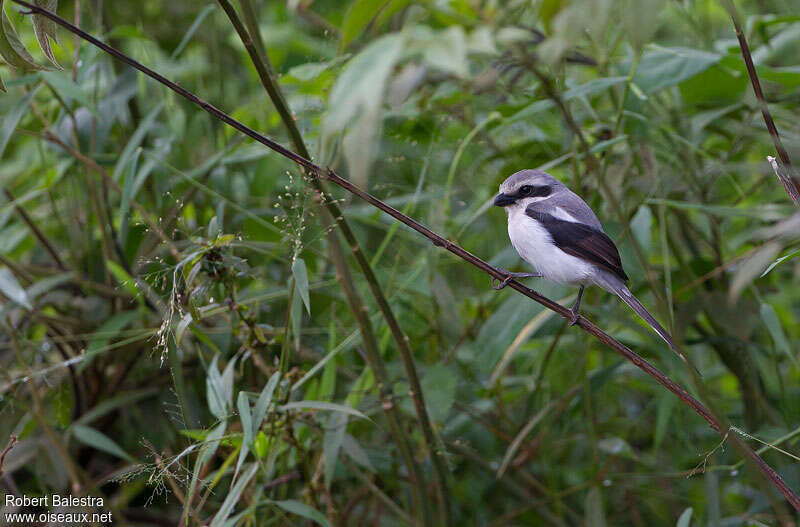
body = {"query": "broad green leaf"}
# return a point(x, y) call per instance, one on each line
point(61, 83)
point(773, 323)
point(640, 19)
point(439, 389)
point(100, 441)
point(582, 90)
point(322, 405)
point(444, 50)
point(358, 16)
point(664, 67)
point(301, 281)
point(11, 289)
point(11, 119)
point(355, 103)
point(301, 509)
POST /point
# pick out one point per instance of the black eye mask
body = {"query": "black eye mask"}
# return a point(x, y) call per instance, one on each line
point(533, 191)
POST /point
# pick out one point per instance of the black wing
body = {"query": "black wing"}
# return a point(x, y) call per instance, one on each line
point(582, 241)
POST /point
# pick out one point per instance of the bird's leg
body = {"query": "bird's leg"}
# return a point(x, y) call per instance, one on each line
point(510, 276)
point(576, 307)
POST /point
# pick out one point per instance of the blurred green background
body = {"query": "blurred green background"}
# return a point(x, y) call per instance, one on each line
point(176, 331)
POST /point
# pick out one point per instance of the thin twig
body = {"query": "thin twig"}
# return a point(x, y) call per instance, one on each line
point(439, 241)
point(12, 440)
point(790, 183)
point(35, 230)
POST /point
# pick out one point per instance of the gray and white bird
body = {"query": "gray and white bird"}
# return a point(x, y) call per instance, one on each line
point(556, 232)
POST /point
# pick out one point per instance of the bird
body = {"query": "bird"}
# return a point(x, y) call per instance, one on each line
point(556, 232)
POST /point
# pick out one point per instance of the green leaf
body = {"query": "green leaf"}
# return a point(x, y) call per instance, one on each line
point(243, 404)
point(45, 29)
point(118, 401)
point(124, 279)
point(233, 496)
point(439, 387)
point(301, 281)
point(264, 399)
point(136, 141)
point(127, 197)
point(779, 261)
point(301, 509)
point(11, 288)
point(351, 447)
point(207, 10)
point(100, 441)
point(666, 67)
point(685, 519)
point(219, 389)
point(322, 405)
point(355, 103)
point(666, 404)
point(773, 323)
point(11, 47)
point(109, 330)
point(642, 225)
point(62, 84)
point(12, 117)
point(358, 16)
point(335, 430)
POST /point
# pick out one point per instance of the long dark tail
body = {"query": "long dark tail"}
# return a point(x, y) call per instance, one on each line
point(624, 293)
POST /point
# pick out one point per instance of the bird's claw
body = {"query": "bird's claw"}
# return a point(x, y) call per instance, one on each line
point(574, 316)
point(502, 283)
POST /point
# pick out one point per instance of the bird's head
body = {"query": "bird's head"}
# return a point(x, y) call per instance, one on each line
point(525, 187)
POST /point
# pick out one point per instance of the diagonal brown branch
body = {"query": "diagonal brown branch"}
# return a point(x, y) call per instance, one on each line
point(790, 183)
point(328, 174)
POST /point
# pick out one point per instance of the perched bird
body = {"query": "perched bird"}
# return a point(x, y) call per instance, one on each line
point(556, 232)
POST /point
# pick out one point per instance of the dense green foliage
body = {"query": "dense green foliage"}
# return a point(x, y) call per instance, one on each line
point(176, 336)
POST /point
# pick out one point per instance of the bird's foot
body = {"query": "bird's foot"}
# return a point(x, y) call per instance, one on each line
point(510, 276)
point(502, 283)
point(574, 315)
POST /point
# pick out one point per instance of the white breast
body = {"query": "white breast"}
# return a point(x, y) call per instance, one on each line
point(535, 246)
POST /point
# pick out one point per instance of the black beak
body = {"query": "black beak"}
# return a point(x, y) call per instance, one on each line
point(502, 200)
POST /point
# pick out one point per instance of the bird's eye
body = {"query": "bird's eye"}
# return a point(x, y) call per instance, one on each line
point(525, 190)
